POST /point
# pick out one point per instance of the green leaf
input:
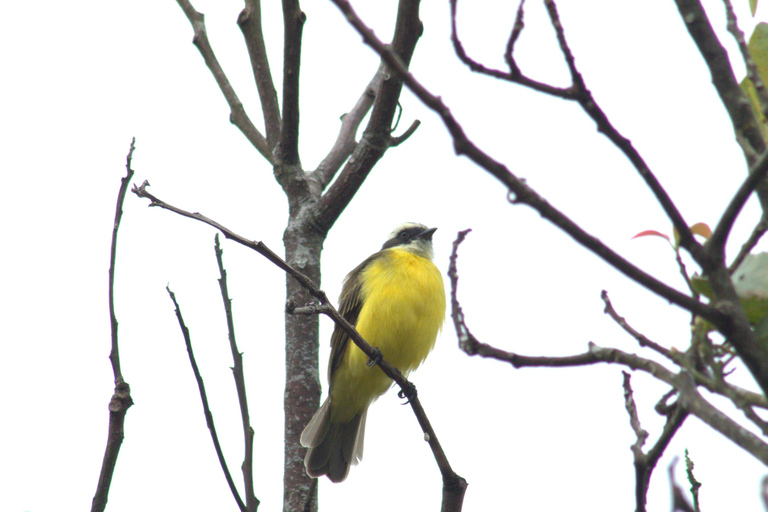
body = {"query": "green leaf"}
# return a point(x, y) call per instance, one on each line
point(753, 6)
point(751, 283)
point(758, 47)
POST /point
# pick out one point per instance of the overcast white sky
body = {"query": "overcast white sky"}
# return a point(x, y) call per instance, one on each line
point(81, 79)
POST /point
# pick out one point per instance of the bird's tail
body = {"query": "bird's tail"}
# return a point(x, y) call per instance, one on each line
point(333, 447)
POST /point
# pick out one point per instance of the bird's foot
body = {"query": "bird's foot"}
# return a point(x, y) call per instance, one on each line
point(408, 392)
point(376, 359)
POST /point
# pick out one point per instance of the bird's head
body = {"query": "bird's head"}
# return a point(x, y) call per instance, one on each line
point(412, 237)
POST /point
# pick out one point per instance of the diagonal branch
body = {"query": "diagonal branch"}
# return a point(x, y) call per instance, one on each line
point(578, 92)
point(518, 188)
point(757, 174)
point(237, 116)
point(757, 233)
point(249, 21)
point(377, 137)
point(345, 141)
point(206, 407)
point(584, 97)
point(453, 484)
point(732, 96)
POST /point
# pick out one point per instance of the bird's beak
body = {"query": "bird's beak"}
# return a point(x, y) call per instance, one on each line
point(427, 233)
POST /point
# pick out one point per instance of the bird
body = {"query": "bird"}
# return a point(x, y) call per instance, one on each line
point(396, 301)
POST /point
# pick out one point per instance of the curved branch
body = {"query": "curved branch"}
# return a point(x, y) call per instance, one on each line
point(514, 75)
point(757, 174)
point(690, 399)
point(237, 116)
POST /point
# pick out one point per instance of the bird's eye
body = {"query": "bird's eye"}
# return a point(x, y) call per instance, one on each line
point(403, 235)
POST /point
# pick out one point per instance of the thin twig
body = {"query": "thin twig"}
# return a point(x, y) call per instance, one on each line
point(514, 75)
point(121, 399)
point(517, 29)
point(695, 484)
point(467, 342)
point(679, 501)
point(757, 174)
point(757, 233)
point(645, 463)
point(396, 141)
point(206, 407)
point(643, 340)
point(634, 420)
point(252, 503)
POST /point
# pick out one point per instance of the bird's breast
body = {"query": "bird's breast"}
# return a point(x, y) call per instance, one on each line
point(403, 307)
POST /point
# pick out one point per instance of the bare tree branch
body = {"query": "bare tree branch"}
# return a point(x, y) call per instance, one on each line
point(646, 462)
point(690, 399)
point(590, 106)
point(757, 174)
point(251, 502)
point(237, 116)
point(121, 399)
point(578, 92)
point(345, 141)
point(249, 21)
point(518, 188)
point(741, 398)
point(642, 340)
point(514, 75)
point(377, 137)
point(206, 407)
point(757, 233)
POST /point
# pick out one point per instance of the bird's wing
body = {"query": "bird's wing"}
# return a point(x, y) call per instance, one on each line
point(351, 302)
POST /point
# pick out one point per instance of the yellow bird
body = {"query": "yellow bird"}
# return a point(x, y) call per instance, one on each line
point(396, 301)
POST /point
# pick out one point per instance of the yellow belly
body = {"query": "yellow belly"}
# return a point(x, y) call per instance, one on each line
point(403, 311)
